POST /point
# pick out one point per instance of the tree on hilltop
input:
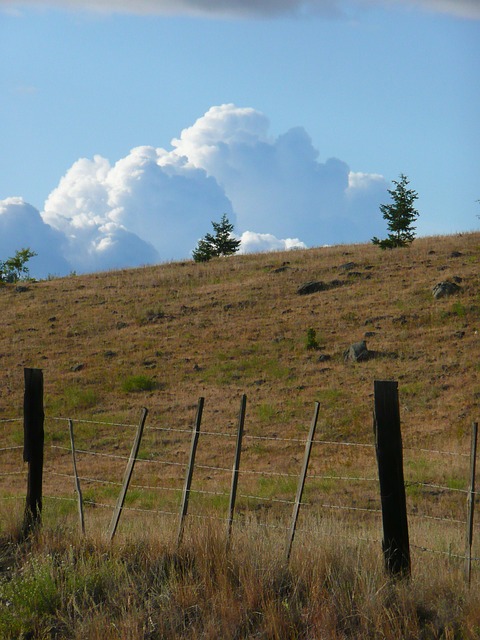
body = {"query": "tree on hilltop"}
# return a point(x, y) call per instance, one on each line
point(221, 244)
point(15, 268)
point(401, 215)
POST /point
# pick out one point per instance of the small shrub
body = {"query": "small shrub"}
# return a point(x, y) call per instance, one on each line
point(459, 309)
point(134, 384)
point(311, 341)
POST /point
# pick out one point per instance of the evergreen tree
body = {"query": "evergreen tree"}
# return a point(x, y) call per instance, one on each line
point(400, 215)
point(222, 243)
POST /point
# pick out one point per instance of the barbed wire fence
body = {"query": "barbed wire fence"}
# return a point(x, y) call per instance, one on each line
point(156, 483)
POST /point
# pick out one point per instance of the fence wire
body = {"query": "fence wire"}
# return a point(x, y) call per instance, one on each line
point(243, 471)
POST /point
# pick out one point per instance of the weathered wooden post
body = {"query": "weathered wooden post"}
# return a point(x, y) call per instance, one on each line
point(77, 479)
point(388, 443)
point(127, 476)
point(236, 467)
point(471, 504)
point(190, 468)
point(33, 422)
point(301, 481)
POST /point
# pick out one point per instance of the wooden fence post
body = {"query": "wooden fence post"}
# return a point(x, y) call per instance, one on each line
point(190, 467)
point(77, 479)
point(301, 481)
point(127, 477)
point(236, 467)
point(33, 422)
point(471, 504)
point(388, 443)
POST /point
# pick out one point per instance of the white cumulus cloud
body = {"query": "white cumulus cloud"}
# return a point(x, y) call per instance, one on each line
point(252, 242)
point(22, 227)
point(279, 186)
point(155, 204)
point(144, 209)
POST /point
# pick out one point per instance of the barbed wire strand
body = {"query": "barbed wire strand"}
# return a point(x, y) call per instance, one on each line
point(436, 451)
point(344, 508)
point(339, 535)
point(17, 446)
point(437, 518)
point(436, 486)
point(174, 489)
point(100, 422)
point(444, 553)
point(112, 482)
point(118, 457)
point(347, 478)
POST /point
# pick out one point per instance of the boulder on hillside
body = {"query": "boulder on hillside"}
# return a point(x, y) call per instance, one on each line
point(311, 287)
point(317, 285)
point(442, 289)
point(358, 352)
point(347, 266)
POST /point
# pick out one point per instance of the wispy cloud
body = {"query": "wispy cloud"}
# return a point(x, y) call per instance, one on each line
point(25, 90)
point(469, 9)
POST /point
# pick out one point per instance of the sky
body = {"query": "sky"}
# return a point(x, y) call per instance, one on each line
point(127, 127)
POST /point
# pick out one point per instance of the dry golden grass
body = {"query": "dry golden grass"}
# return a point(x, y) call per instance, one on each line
point(234, 326)
point(63, 586)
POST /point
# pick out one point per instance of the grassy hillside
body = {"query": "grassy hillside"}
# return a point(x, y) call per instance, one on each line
point(163, 336)
point(237, 325)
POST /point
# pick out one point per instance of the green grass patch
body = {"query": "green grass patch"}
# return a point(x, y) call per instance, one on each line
point(228, 369)
point(266, 412)
point(136, 384)
point(73, 398)
point(458, 309)
point(456, 483)
point(274, 486)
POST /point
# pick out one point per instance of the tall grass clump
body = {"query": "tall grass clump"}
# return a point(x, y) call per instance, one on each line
point(64, 586)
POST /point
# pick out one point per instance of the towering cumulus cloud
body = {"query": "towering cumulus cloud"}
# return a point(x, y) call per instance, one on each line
point(278, 185)
point(154, 204)
point(147, 207)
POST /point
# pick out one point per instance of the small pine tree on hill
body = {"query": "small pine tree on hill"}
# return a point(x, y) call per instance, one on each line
point(220, 244)
point(401, 215)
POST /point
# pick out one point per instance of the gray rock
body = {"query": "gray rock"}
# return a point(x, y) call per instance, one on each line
point(357, 352)
point(311, 287)
point(325, 357)
point(442, 289)
point(347, 266)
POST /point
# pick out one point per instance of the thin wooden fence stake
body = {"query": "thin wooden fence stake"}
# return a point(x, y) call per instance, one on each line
point(77, 479)
point(388, 443)
point(301, 481)
point(33, 422)
point(471, 504)
point(127, 476)
point(236, 467)
point(190, 467)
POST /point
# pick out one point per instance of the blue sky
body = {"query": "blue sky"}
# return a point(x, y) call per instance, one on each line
point(296, 117)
